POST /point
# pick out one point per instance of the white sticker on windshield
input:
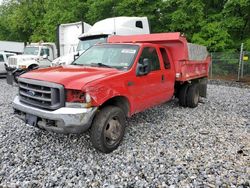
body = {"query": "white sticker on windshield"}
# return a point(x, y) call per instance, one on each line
point(128, 51)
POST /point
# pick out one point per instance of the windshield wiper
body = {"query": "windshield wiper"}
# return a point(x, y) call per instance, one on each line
point(101, 65)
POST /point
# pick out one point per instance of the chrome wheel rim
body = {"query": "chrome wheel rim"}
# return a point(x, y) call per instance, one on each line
point(112, 131)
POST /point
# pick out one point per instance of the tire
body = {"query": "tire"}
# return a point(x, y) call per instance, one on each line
point(193, 96)
point(16, 76)
point(183, 95)
point(31, 67)
point(108, 129)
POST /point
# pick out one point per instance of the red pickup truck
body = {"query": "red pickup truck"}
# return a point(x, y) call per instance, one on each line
point(112, 81)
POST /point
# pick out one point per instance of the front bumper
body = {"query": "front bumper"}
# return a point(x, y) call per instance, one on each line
point(64, 120)
point(11, 68)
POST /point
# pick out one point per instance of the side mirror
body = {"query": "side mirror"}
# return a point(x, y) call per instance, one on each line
point(76, 55)
point(45, 56)
point(143, 68)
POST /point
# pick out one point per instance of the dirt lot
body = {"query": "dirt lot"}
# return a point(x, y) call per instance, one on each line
point(166, 146)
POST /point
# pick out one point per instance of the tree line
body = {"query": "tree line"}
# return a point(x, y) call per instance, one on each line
point(220, 25)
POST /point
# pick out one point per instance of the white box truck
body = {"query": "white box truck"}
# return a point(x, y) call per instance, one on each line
point(100, 32)
point(35, 55)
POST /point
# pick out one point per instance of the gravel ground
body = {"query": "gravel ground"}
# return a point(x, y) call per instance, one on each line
point(166, 146)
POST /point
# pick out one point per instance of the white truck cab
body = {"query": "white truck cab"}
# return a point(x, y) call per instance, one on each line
point(35, 55)
point(3, 60)
point(100, 32)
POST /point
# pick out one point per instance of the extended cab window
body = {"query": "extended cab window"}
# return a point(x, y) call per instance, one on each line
point(1, 58)
point(151, 54)
point(165, 58)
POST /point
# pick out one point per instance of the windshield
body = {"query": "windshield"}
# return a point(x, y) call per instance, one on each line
point(85, 44)
point(119, 56)
point(31, 50)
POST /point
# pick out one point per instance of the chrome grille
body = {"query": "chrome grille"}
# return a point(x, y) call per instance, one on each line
point(41, 94)
point(12, 61)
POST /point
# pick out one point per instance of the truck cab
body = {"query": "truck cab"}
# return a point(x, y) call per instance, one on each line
point(112, 81)
point(101, 31)
point(34, 55)
point(3, 60)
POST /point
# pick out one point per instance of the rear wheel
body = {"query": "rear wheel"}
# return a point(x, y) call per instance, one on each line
point(183, 95)
point(193, 96)
point(108, 129)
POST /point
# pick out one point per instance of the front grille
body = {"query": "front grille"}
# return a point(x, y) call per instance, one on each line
point(12, 61)
point(41, 94)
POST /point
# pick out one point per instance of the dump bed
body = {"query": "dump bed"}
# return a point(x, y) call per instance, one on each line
point(191, 61)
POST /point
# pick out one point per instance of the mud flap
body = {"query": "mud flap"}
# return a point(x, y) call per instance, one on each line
point(203, 87)
point(31, 120)
point(10, 78)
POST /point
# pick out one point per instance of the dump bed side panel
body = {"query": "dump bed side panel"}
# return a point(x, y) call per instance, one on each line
point(196, 65)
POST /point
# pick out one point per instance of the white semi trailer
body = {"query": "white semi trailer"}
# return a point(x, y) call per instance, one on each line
point(100, 32)
point(67, 36)
point(12, 47)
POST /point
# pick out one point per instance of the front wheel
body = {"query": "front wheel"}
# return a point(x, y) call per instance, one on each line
point(108, 129)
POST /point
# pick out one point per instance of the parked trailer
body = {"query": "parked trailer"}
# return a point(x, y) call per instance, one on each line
point(67, 36)
point(100, 32)
point(12, 47)
point(112, 81)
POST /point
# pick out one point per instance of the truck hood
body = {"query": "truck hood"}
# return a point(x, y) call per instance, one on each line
point(65, 59)
point(24, 57)
point(16, 60)
point(72, 77)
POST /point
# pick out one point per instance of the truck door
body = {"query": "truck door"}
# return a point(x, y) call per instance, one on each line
point(147, 90)
point(168, 73)
point(45, 62)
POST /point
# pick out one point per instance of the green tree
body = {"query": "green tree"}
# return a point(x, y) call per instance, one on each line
point(184, 16)
point(218, 24)
point(236, 15)
point(214, 36)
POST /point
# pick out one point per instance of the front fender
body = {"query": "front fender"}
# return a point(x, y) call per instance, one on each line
point(27, 63)
point(102, 93)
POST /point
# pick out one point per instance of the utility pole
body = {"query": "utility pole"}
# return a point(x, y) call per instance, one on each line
point(240, 71)
point(242, 65)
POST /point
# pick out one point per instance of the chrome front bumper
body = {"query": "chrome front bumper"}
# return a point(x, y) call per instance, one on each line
point(64, 120)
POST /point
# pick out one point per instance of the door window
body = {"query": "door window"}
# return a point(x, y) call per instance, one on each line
point(1, 58)
point(151, 54)
point(44, 51)
point(165, 58)
point(139, 24)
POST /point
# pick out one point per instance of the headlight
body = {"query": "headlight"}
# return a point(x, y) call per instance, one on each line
point(22, 67)
point(62, 63)
point(77, 99)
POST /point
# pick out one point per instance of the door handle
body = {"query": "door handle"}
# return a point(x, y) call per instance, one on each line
point(162, 77)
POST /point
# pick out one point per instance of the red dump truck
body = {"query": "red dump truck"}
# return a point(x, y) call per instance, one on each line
point(112, 81)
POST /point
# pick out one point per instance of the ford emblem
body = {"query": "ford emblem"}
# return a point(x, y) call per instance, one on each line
point(32, 93)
